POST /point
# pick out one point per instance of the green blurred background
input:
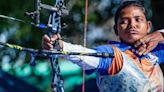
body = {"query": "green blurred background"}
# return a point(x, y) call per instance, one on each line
point(16, 73)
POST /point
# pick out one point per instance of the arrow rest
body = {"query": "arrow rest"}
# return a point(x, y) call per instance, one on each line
point(33, 57)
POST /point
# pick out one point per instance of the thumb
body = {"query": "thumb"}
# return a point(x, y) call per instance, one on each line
point(54, 37)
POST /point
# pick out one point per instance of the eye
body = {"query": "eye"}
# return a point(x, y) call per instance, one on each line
point(139, 19)
point(124, 21)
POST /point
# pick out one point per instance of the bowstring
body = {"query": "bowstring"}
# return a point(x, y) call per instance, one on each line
point(85, 39)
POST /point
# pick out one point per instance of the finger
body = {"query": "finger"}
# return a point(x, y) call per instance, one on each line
point(141, 49)
point(54, 38)
point(142, 52)
point(46, 38)
point(139, 43)
point(47, 46)
point(59, 36)
point(145, 39)
point(150, 47)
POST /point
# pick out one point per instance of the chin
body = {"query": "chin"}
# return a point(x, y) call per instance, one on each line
point(129, 41)
point(133, 39)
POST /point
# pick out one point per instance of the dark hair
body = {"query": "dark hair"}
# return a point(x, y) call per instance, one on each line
point(127, 4)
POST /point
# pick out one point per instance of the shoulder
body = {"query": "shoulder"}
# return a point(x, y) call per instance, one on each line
point(159, 52)
point(159, 47)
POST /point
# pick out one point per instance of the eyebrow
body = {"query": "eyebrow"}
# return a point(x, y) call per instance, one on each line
point(134, 17)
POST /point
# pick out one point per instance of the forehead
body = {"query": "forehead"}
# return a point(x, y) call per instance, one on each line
point(132, 11)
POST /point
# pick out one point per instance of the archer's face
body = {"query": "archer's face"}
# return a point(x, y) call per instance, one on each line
point(132, 25)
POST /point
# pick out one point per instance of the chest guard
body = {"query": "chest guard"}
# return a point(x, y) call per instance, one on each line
point(132, 78)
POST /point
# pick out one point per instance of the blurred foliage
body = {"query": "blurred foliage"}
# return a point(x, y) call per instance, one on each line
point(100, 21)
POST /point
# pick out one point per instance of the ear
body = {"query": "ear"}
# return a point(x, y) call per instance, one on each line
point(149, 26)
point(115, 29)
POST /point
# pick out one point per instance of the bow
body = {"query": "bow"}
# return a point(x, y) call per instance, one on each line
point(53, 27)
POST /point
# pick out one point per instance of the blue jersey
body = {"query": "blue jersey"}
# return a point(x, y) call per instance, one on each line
point(105, 63)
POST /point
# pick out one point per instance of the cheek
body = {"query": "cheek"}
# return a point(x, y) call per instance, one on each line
point(144, 29)
point(121, 28)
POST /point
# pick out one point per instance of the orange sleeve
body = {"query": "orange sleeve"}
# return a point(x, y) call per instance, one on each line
point(117, 62)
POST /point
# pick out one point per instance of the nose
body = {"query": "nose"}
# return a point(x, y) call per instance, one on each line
point(132, 23)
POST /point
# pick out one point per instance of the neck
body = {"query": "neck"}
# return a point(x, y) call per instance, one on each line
point(130, 44)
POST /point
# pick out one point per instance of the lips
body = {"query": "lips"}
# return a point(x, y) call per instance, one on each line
point(132, 31)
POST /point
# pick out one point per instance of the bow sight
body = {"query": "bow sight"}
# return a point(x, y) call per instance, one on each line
point(59, 8)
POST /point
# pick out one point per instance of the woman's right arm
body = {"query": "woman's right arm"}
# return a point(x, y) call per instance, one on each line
point(86, 62)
